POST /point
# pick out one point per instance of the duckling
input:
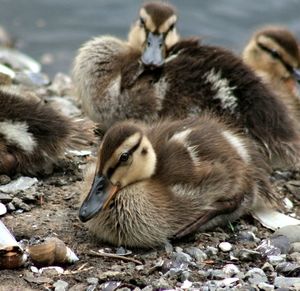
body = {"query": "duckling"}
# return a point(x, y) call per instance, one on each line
point(170, 179)
point(156, 74)
point(274, 55)
point(33, 136)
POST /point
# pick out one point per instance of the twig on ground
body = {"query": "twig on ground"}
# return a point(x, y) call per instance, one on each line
point(114, 256)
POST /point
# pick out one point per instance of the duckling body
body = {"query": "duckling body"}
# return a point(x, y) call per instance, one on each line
point(274, 55)
point(33, 136)
point(115, 82)
point(170, 179)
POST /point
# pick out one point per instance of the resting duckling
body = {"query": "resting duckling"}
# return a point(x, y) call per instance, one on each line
point(33, 135)
point(171, 179)
point(156, 74)
point(274, 55)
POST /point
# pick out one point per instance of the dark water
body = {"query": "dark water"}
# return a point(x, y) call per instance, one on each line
point(59, 27)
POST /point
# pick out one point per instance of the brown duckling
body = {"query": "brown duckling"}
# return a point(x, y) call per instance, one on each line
point(33, 135)
point(156, 74)
point(274, 55)
point(171, 179)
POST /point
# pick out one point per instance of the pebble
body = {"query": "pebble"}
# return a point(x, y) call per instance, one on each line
point(248, 255)
point(267, 267)
point(265, 286)
point(147, 288)
point(275, 260)
point(288, 203)
point(230, 270)
point(274, 246)
point(92, 280)
point(168, 248)
point(255, 276)
point(3, 209)
point(211, 251)
point(217, 274)
point(22, 183)
point(225, 246)
point(295, 247)
point(185, 276)
point(287, 282)
point(161, 283)
point(10, 207)
point(295, 256)
point(60, 285)
point(5, 198)
point(292, 232)
point(248, 236)
point(196, 253)
point(18, 203)
point(4, 179)
point(181, 257)
point(288, 269)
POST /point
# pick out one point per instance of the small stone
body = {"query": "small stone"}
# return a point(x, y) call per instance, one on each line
point(61, 285)
point(139, 268)
point(295, 257)
point(265, 286)
point(123, 252)
point(11, 207)
point(185, 275)
point(178, 249)
point(288, 203)
point(124, 289)
point(147, 288)
point(181, 257)
point(255, 276)
point(18, 203)
point(211, 251)
point(5, 198)
point(225, 246)
point(266, 248)
point(168, 248)
point(230, 270)
point(267, 267)
point(34, 269)
point(288, 269)
point(285, 282)
point(292, 232)
point(275, 260)
point(248, 255)
point(78, 287)
point(248, 236)
point(161, 283)
point(196, 253)
point(109, 274)
point(4, 179)
point(217, 274)
point(295, 247)
point(22, 183)
point(92, 280)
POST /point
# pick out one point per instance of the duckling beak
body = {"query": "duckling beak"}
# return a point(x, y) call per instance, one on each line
point(153, 53)
point(296, 74)
point(101, 193)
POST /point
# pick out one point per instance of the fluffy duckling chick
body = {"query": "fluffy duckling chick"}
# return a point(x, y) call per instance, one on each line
point(156, 74)
point(33, 135)
point(274, 55)
point(171, 179)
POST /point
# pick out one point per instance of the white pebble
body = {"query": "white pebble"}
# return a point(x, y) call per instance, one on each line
point(225, 246)
point(3, 209)
point(288, 203)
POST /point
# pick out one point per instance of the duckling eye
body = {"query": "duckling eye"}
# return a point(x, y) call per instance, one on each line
point(142, 21)
point(172, 26)
point(124, 157)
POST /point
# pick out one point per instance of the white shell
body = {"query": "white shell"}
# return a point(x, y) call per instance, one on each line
point(225, 246)
point(3, 209)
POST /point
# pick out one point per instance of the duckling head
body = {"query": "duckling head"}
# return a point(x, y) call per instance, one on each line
point(274, 50)
point(154, 32)
point(126, 156)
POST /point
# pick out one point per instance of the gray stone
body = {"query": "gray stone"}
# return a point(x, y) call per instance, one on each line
point(288, 269)
point(295, 247)
point(295, 257)
point(182, 257)
point(19, 204)
point(275, 260)
point(5, 198)
point(266, 248)
point(10, 207)
point(230, 270)
point(285, 282)
point(92, 280)
point(225, 246)
point(292, 232)
point(248, 255)
point(265, 286)
point(161, 283)
point(91, 288)
point(60, 285)
point(196, 253)
point(147, 288)
point(217, 274)
point(168, 248)
point(124, 289)
point(185, 275)
point(267, 267)
point(255, 276)
point(4, 179)
point(248, 236)
point(211, 251)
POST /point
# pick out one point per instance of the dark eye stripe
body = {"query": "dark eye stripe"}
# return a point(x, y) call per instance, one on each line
point(111, 170)
point(276, 55)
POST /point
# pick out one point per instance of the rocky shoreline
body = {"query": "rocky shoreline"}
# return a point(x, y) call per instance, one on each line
point(242, 256)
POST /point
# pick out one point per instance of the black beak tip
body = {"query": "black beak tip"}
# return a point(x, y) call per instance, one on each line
point(83, 215)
